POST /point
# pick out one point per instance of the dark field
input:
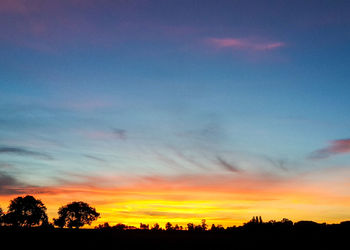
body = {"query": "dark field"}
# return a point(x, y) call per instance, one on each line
point(260, 237)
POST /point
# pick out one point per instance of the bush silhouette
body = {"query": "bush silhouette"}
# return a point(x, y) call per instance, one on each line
point(26, 212)
point(76, 214)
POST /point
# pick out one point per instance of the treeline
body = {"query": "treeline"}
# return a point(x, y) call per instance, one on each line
point(255, 224)
point(27, 212)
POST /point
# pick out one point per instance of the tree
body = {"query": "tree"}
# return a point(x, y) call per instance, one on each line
point(26, 212)
point(1, 216)
point(190, 227)
point(144, 226)
point(120, 227)
point(204, 225)
point(169, 226)
point(287, 222)
point(256, 220)
point(76, 214)
point(156, 227)
point(104, 226)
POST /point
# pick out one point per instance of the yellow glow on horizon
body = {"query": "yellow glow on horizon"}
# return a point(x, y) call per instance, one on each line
point(159, 202)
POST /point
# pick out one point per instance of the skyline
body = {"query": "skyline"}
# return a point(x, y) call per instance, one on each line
point(157, 111)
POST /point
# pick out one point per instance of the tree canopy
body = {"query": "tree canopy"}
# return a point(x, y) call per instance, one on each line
point(26, 212)
point(76, 214)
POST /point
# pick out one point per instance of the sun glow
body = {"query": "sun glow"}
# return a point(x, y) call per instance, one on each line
point(177, 200)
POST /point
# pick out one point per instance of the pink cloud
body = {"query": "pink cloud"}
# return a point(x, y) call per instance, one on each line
point(340, 146)
point(336, 147)
point(244, 44)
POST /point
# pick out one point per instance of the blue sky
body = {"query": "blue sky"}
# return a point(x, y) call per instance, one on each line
point(94, 88)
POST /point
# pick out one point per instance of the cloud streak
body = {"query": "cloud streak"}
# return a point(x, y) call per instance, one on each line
point(227, 166)
point(335, 147)
point(94, 158)
point(244, 44)
point(24, 152)
point(114, 134)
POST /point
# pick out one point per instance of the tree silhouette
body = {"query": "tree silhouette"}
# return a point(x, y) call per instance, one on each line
point(144, 226)
point(168, 226)
point(1, 216)
point(76, 214)
point(204, 225)
point(217, 228)
point(156, 227)
point(104, 226)
point(286, 221)
point(120, 227)
point(26, 212)
point(256, 220)
point(190, 227)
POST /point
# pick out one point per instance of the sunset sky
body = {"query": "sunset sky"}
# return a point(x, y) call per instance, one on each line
point(155, 111)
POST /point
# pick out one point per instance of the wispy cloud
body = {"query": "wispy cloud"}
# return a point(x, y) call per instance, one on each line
point(94, 158)
point(114, 133)
point(335, 147)
point(25, 152)
point(245, 44)
point(278, 163)
point(228, 166)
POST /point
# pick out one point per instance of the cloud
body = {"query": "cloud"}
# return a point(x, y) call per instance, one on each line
point(9, 185)
point(278, 163)
point(244, 44)
point(160, 214)
point(24, 152)
point(335, 147)
point(115, 133)
point(94, 158)
point(228, 166)
point(189, 159)
point(119, 133)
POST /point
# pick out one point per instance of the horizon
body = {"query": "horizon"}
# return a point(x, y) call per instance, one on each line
point(176, 111)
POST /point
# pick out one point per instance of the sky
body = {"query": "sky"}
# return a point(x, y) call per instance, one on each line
point(156, 111)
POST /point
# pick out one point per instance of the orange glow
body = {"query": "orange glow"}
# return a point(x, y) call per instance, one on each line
point(220, 199)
